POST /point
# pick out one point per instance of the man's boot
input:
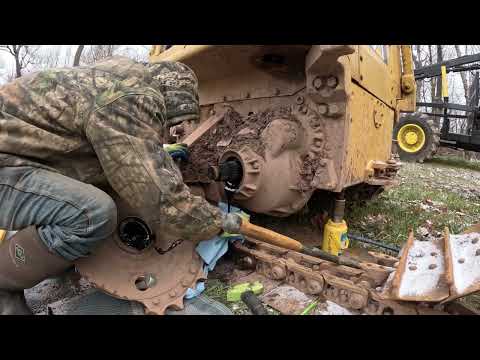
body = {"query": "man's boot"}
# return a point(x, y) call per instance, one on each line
point(24, 262)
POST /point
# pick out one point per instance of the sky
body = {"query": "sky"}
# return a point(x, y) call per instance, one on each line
point(66, 51)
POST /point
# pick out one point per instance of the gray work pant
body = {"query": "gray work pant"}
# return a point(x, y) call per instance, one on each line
point(71, 217)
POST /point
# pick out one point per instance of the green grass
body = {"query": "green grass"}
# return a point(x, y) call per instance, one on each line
point(456, 162)
point(443, 181)
point(389, 217)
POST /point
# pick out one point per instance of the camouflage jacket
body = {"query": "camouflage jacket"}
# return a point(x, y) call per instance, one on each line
point(105, 123)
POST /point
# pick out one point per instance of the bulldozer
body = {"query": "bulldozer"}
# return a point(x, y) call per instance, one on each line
point(284, 131)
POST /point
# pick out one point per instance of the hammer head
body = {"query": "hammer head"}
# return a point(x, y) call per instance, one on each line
point(235, 293)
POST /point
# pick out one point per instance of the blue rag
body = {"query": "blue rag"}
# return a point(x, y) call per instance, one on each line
point(211, 251)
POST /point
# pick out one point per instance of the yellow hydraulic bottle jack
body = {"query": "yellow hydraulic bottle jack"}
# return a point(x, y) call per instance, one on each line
point(335, 234)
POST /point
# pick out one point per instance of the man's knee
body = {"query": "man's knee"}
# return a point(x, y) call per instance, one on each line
point(82, 234)
point(104, 215)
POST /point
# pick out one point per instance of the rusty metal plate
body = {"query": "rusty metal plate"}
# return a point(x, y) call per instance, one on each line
point(462, 256)
point(420, 275)
point(158, 281)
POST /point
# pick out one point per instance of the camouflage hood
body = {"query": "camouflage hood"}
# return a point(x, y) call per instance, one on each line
point(179, 86)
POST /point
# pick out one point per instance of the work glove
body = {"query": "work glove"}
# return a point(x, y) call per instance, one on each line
point(178, 152)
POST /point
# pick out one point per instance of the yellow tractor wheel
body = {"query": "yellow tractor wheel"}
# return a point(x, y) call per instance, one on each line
point(415, 138)
point(411, 138)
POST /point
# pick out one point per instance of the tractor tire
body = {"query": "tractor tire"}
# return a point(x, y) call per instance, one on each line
point(421, 150)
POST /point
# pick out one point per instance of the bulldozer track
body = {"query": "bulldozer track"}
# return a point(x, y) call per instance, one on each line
point(360, 290)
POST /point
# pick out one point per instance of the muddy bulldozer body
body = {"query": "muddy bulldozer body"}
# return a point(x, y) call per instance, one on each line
point(300, 119)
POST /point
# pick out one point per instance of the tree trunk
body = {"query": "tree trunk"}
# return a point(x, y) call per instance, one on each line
point(18, 67)
point(463, 74)
point(78, 54)
point(418, 63)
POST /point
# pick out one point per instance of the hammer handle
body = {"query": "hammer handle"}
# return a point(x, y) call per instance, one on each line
point(271, 237)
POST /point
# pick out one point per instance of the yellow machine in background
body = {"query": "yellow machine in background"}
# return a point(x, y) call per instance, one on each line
point(299, 120)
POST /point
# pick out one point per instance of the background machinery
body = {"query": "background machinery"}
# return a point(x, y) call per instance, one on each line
point(418, 135)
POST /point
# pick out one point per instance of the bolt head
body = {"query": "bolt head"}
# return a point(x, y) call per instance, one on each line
point(323, 163)
point(334, 109)
point(323, 109)
point(300, 100)
point(332, 82)
point(317, 83)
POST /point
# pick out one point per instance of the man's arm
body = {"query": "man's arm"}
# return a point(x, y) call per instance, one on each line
point(126, 136)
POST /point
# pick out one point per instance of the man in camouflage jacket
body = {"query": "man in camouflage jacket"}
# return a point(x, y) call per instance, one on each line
point(63, 133)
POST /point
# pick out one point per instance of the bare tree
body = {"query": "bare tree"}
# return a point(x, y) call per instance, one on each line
point(463, 74)
point(24, 55)
point(78, 54)
point(95, 53)
point(47, 57)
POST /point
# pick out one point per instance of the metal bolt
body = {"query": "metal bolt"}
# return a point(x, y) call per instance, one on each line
point(432, 266)
point(247, 262)
point(255, 165)
point(172, 293)
point(318, 142)
point(323, 163)
point(461, 260)
point(303, 109)
point(317, 82)
point(474, 241)
point(332, 82)
point(356, 301)
point(185, 283)
point(433, 253)
point(278, 272)
point(156, 302)
point(334, 109)
point(323, 109)
point(300, 100)
point(364, 284)
point(316, 267)
point(477, 253)
point(412, 267)
point(314, 287)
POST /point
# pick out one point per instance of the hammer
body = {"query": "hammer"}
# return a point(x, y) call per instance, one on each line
point(248, 294)
point(235, 224)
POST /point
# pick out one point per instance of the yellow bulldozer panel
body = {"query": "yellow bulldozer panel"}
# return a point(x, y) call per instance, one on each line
point(375, 90)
